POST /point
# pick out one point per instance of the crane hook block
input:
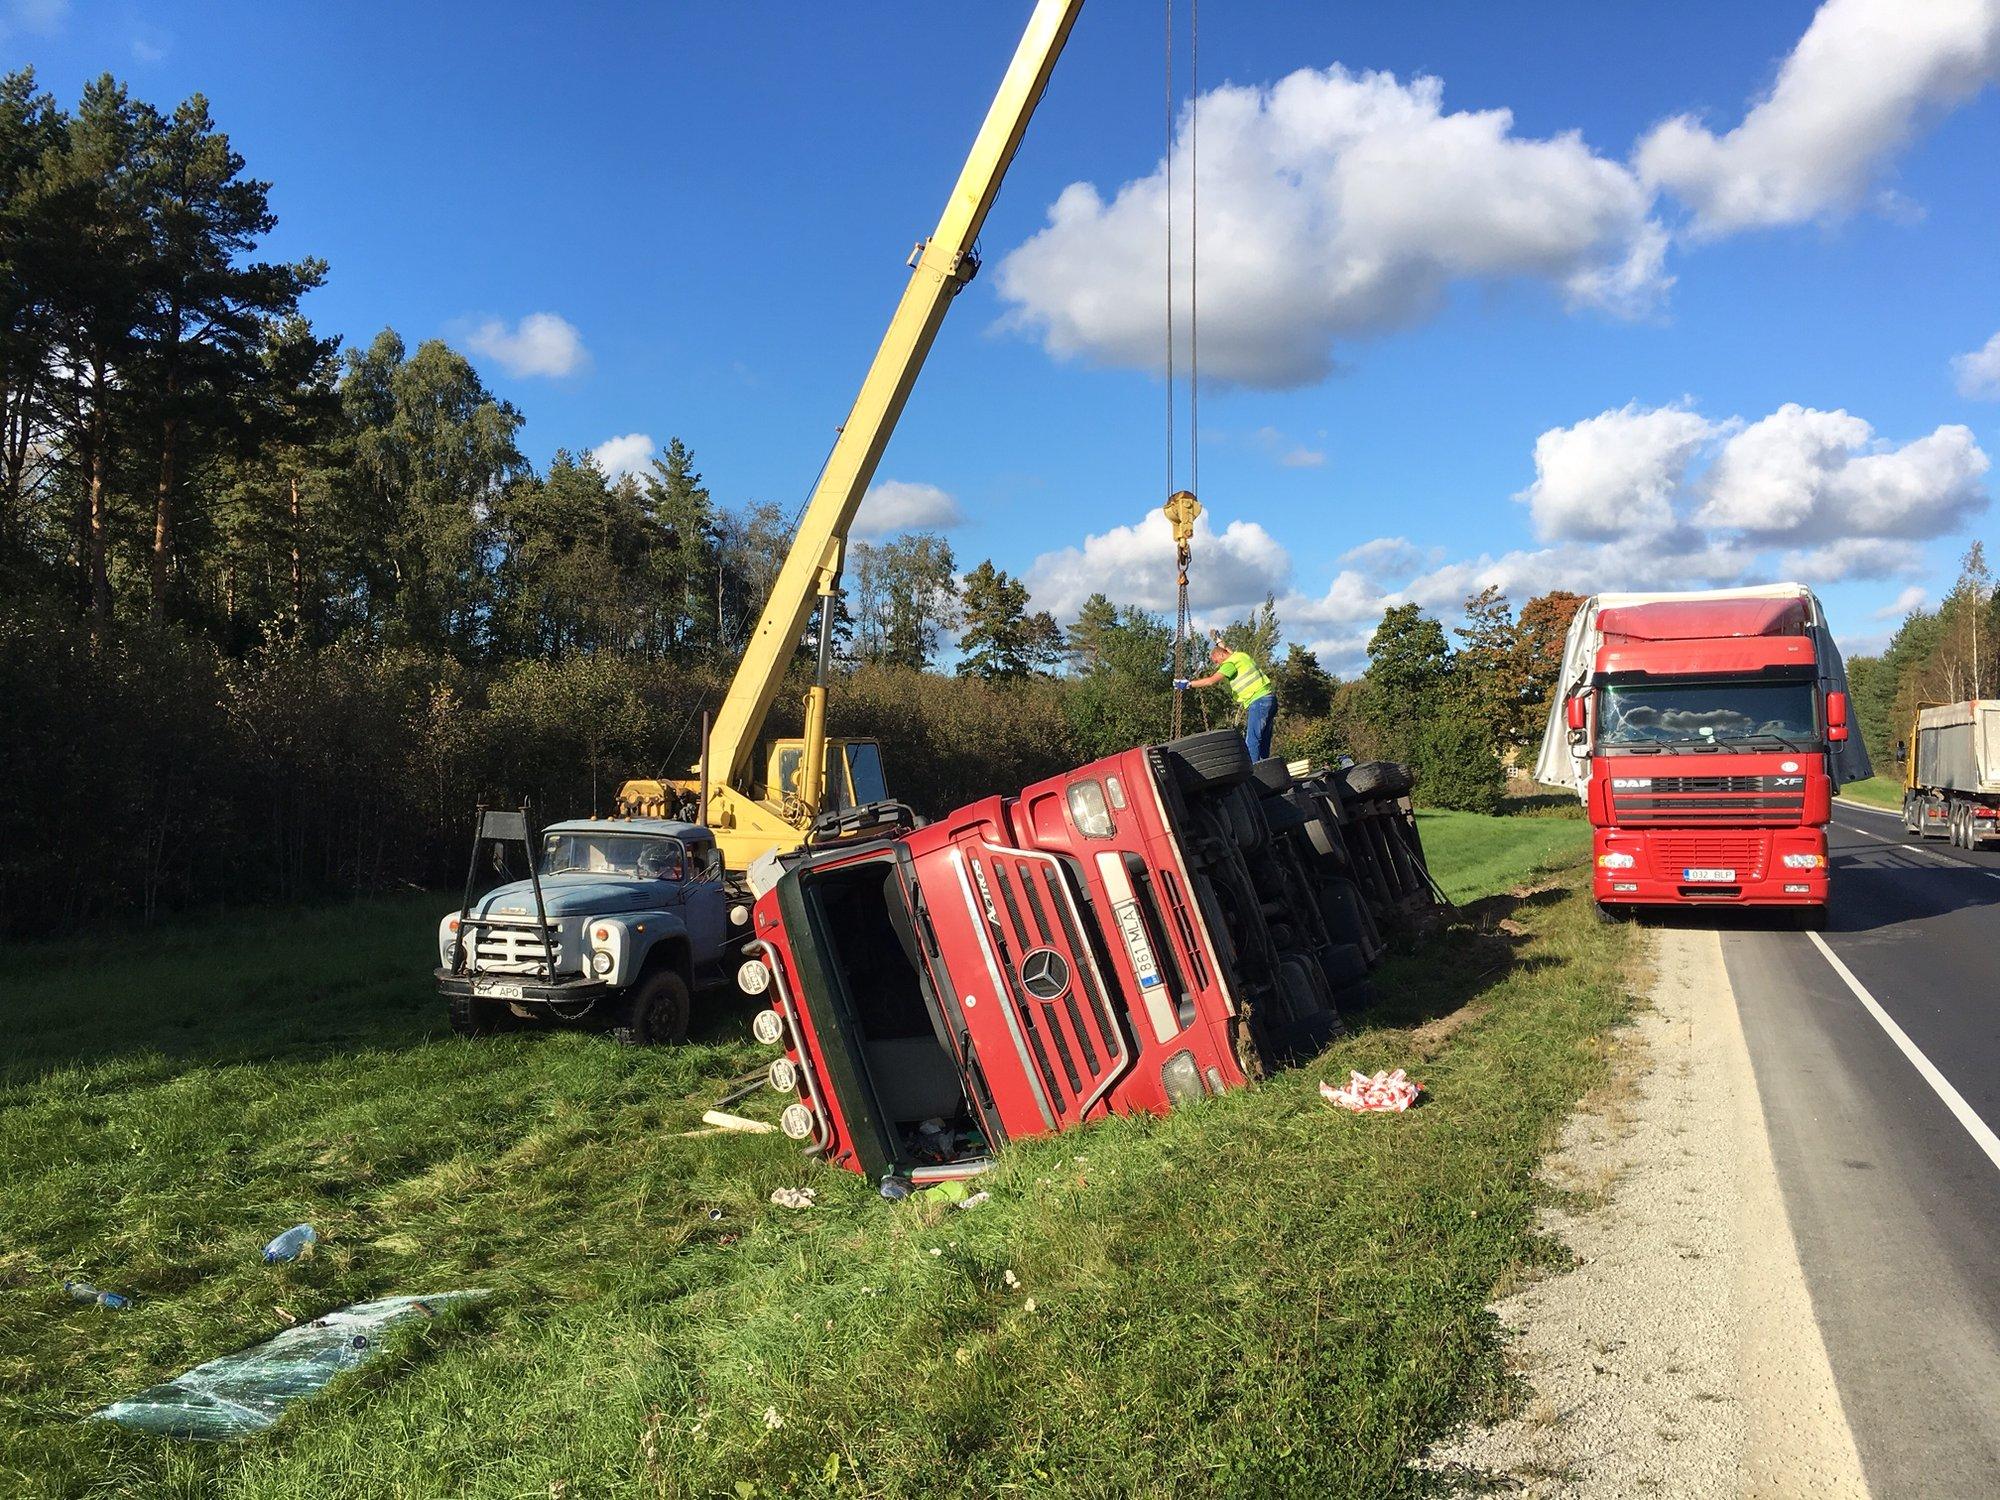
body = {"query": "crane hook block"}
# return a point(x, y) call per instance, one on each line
point(1182, 508)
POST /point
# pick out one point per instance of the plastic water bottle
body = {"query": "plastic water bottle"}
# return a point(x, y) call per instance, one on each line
point(290, 1245)
point(83, 1291)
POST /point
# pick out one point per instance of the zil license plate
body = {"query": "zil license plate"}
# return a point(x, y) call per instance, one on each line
point(1709, 877)
point(499, 989)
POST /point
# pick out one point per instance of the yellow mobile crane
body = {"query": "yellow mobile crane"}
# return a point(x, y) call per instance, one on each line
point(749, 820)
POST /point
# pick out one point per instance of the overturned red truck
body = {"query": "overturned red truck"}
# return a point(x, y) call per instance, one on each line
point(1147, 930)
point(1706, 734)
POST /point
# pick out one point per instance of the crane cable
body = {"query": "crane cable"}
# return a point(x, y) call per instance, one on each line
point(1182, 508)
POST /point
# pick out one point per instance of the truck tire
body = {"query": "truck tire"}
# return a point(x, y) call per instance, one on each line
point(657, 1013)
point(1912, 815)
point(1345, 964)
point(1205, 762)
point(1272, 775)
point(471, 1016)
point(1374, 780)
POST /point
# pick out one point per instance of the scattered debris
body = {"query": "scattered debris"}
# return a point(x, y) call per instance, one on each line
point(243, 1393)
point(895, 1188)
point(83, 1291)
point(294, 1242)
point(725, 1121)
point(1384, 1091)
point(794, 1197)
point(954, 1191)
point(976, 1199)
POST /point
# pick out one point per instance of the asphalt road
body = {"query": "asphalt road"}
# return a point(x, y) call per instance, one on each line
point(1892, 1188)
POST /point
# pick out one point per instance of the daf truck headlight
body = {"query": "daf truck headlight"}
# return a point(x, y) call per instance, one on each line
point(1804, 861)
point(1615, 861)
point(784, 1075)
point(796, 1121)
point(768, 1028)
point(753, 979)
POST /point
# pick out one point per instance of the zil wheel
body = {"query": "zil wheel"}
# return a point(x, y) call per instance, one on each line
point(474, 1017)
point(657, 1013)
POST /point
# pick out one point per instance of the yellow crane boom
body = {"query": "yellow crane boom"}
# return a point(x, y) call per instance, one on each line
point(745, 823)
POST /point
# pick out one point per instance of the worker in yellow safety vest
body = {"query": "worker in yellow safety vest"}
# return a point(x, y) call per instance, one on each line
point(1253, 690)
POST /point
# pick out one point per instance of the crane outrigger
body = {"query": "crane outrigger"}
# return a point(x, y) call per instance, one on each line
point(748, 819)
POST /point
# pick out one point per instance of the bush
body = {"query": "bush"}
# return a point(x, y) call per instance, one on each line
point(1455, 766)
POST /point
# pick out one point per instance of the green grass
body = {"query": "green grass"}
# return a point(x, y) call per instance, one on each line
point(1880, 791)
point(1257, 1295)
point(1472, 855)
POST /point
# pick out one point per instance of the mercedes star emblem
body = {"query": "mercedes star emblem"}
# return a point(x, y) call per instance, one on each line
point(1044, 973)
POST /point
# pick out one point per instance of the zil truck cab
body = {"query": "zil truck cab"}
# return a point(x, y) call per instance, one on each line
point(1708, 733)
point(1145, 931)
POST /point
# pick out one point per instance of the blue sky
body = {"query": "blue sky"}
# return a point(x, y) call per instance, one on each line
point(1733, 353)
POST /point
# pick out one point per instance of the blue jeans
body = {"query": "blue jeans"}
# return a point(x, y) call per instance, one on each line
point(1257, 726)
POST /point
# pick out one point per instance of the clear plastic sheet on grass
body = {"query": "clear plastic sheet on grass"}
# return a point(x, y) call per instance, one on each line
point(244, 1393)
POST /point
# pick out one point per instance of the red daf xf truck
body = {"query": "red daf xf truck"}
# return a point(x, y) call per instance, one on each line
point(1145, 931)
point(1705, 733)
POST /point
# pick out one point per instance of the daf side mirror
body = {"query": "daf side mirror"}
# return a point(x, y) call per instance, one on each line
point(1836, 717)
point(1576, 716)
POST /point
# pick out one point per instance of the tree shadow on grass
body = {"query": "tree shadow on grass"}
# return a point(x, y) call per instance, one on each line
point(1445, 976)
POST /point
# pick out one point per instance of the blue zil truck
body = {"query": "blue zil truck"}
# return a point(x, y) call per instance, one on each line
point(618, 923)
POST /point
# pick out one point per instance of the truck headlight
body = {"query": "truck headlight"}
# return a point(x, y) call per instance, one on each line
point(796, 1121)
point(768, 1028)
point(1804, 861)
point(753, 978)
point(784, 1075)
point(601, 962)
point(1615, 861)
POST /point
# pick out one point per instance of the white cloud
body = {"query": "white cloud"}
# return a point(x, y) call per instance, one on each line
point(898, 505)
point(1390, 557)
point(1235, 568)
point(1286, 453)
point(630, 454)
point(1911, 598)
point(1808, 476)
point(32, 17)
point(1855, 89)
point(1333, 205)
point(540, 344)
point(1851, 558)
point(1615, 474)
point(1979, 372)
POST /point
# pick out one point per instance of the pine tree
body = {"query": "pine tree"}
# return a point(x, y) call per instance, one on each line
point(999, 638)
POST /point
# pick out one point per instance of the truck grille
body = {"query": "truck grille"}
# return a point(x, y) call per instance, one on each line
point(1745, 853)
point(1775, 801)
point(513, 949)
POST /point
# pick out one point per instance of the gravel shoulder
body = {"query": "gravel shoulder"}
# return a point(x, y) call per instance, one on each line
point(1680, 1356)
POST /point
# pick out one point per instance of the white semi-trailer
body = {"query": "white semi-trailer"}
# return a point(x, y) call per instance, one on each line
point(1951, 773)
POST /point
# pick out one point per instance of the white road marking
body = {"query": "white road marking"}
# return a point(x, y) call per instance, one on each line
point(1919, 849)
point(1975, 1127)
point(1887, 812)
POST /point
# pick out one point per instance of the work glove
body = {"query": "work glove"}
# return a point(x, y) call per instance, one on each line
point(1180, 684)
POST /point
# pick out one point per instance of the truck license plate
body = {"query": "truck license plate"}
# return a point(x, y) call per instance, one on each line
point(498, 989)
point(1709, 877)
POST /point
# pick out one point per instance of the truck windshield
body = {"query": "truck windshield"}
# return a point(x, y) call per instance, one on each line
point(1642, 714)
point(641, 855)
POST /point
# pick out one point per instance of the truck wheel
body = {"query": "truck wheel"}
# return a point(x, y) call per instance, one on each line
point(657, 1013)
point(474, 1017)
point(1376, 779)
point(1912, 816)
point(1204, 762)
point(1611, 915)
point(1272, 775)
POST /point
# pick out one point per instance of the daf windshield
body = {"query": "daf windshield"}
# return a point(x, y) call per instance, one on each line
point(646, 856)
point(1645, 715)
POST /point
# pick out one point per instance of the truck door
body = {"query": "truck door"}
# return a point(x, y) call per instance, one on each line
point(1043, 1025)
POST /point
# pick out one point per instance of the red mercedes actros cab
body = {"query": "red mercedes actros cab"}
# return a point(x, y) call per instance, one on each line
point(1148, 930)
point(1706, 734)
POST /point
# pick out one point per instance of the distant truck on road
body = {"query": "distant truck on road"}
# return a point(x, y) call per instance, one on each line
point(1705, 733)
point(1951, 773)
